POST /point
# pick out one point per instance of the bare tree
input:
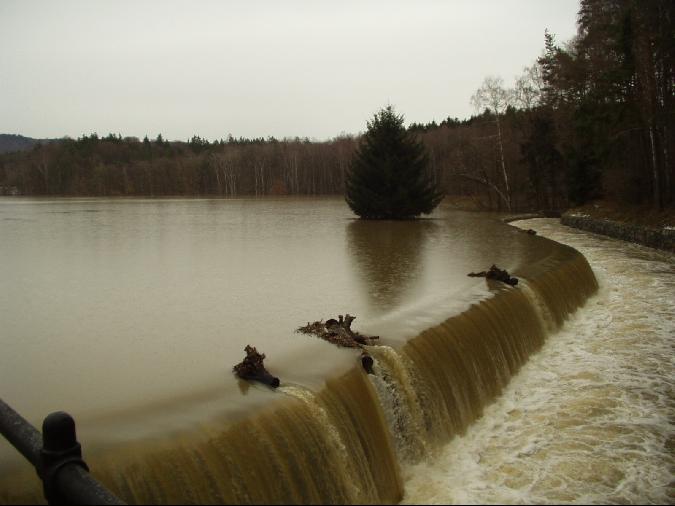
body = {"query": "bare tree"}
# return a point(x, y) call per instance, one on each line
point(495, 98)
point(528, 88)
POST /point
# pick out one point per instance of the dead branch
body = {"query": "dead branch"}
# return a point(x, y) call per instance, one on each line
point(497, 274)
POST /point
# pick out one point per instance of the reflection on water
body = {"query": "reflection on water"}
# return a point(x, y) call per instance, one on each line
point(388, 258)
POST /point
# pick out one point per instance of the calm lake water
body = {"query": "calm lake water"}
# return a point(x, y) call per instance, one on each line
point(142, 306)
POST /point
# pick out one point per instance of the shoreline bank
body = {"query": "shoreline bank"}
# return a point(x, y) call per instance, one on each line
point(663, 239)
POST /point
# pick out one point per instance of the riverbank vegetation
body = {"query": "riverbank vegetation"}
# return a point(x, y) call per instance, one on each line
point(592, 118)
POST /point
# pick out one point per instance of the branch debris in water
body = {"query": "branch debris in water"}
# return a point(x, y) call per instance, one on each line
point(497, 274)
point(338, 332)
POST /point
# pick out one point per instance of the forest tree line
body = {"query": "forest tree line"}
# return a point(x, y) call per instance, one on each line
point(591, 118)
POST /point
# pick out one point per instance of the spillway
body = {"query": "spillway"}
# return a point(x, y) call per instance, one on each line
point(347, 441)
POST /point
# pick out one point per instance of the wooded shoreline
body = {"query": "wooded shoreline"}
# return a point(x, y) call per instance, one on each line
point(591, 118)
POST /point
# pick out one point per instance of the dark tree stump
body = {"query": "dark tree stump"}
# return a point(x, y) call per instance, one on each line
point(253, 369)
point(497, 274)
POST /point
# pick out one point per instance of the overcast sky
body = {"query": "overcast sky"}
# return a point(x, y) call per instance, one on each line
point(258, 67)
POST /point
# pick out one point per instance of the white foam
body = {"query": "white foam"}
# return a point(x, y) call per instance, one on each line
point(588, 419)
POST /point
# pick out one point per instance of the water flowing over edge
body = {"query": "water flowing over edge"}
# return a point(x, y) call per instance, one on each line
point(346, 443)
point(590, 418)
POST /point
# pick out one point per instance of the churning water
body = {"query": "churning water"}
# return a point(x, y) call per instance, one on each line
point(590, 418)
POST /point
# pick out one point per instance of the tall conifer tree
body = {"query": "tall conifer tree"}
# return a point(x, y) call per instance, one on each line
point(388, 177)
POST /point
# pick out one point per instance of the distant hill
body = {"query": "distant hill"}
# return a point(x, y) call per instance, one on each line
point(12, 142)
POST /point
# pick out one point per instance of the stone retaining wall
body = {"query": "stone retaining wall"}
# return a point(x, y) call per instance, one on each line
point(655, 238)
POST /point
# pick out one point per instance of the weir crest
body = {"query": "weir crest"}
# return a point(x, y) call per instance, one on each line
point(346, 443)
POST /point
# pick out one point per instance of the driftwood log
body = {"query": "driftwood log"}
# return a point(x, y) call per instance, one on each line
point(497, 274)
point(339, 332)
point(253, 369)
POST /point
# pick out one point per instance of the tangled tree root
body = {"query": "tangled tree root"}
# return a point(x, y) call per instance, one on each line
point(497, 274)
point(339, 332)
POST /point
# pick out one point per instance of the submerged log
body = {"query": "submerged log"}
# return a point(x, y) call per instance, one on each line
point(253, 369)
point(497, 274)
point(338, 332)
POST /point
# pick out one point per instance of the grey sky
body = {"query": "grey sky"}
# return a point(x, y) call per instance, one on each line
point(258, 67)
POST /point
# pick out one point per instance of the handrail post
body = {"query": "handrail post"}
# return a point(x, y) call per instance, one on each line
point(57, 457)
point(59, 448)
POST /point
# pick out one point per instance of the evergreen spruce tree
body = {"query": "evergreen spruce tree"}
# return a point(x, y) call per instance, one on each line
point(388, 175)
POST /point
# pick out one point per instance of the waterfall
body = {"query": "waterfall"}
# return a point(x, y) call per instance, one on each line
point(440, 381)
point(346, 442)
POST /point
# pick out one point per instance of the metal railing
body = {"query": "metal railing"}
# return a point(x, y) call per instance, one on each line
point(57, 457)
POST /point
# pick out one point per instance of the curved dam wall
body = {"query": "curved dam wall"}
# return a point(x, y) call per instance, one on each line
point(347, 442)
